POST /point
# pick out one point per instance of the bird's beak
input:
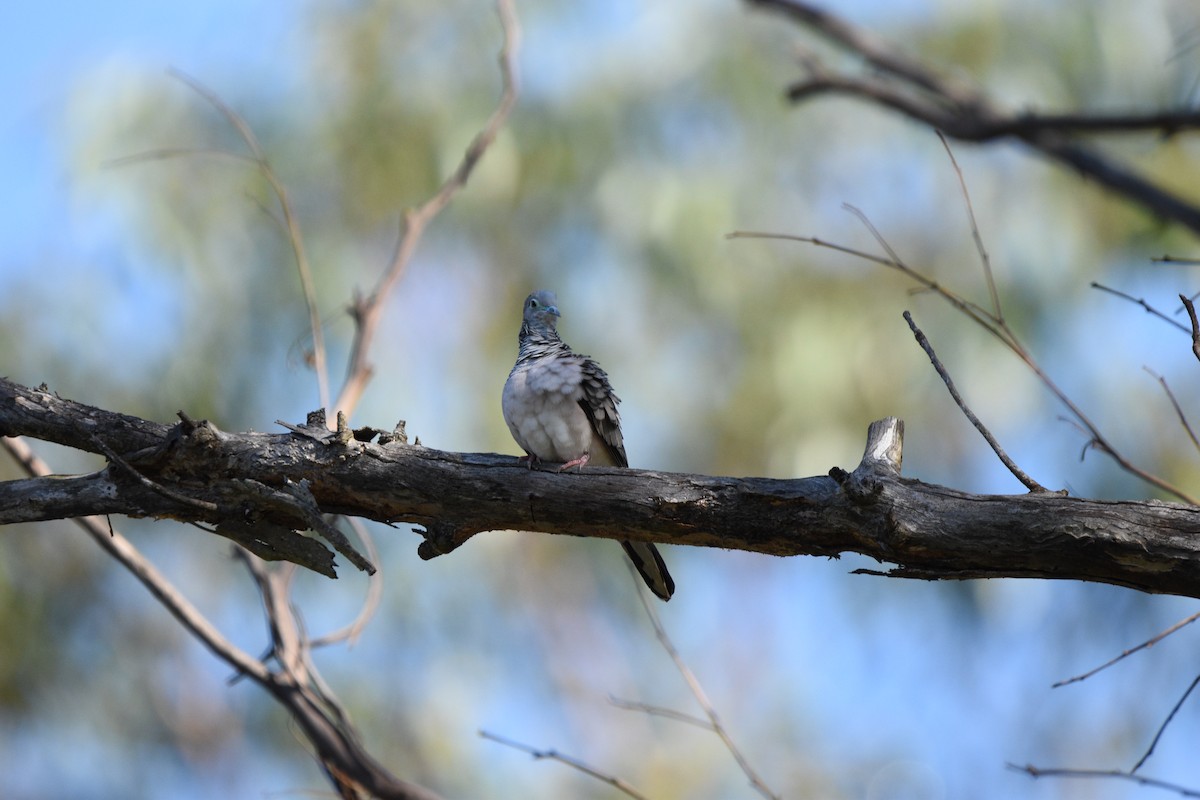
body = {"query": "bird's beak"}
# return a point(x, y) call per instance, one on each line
point(553, 310)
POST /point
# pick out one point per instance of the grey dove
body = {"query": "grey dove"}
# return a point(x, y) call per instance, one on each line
point(560, 407)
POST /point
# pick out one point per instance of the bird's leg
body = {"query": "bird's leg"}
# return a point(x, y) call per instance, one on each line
point(530, 460)
point(578, 462)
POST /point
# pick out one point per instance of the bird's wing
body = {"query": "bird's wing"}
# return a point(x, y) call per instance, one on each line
point(599, 403)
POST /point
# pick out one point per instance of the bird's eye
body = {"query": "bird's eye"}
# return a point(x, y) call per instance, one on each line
point(533, 303)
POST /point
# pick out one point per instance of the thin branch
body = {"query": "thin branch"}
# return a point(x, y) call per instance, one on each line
point(1142, 780)
point(984, 258)
point(1017, 472)
point(1162, 728)
point(574, 763)
point(367, 310)
point(1191, 310)
point(1179, 412)
point(1139, 301)
point(351, 632)
point(998, 328)
point(291, 226)
point(165, 153)
point(963, 112)
point(693, 683)
point(336, 743)
point(128, 556)
point(1144, 645)
point(660, 711)
point(203, 505)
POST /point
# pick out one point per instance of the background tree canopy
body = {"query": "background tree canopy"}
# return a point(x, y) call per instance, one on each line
point(644, 133)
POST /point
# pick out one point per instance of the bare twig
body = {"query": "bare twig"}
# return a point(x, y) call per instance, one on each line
point(1146, 644)
point(1017, 472)
point(366, 310)
point(289, 223)
point(1191, 310)
point(962, 112)
point(660, 711)
point(128, 556)
point(1162, 728)
point(1142, 780)
point(351, 632)
point(997, 327)
point(203, 505)
point(985, 259)
point(1141, 302)
point(317, 713)
point(574, 763)
point(693, 683)
point(1179, 412)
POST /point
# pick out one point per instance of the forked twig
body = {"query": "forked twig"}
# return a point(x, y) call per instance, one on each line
point(1017, 472)
point(574, 763)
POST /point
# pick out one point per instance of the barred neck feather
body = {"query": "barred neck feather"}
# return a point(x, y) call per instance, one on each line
point(538, 342)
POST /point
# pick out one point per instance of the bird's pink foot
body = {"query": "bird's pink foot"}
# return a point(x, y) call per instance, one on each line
point(579, 462)
point(530, 460)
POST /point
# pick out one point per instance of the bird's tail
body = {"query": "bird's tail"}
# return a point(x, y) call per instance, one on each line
point(651, 567)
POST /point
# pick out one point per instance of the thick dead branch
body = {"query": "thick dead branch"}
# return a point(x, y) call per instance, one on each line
point(929, 531)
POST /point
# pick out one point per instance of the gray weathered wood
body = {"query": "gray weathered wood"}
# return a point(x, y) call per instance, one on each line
point(928, 531)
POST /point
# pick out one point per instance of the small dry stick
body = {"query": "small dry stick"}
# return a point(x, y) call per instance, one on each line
point(1017, 472)
point(351, 632)
point(660, 711)
point(698, 692)
point(290, 224)
point(1168, 259)
point(1148, 643)
point(1191, 309)
point(203, 505)
point(367, 310)
point(983, 254)
point(121, 549)
point(1179, 412)
point(1162, 728)
point(998, 328)
point(574, 763)
point(1139, 301)
point(1040, 772)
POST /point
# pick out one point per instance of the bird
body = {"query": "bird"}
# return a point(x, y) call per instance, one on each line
point(560, 407)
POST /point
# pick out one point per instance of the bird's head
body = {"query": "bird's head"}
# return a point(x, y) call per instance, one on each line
point(541, 311)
